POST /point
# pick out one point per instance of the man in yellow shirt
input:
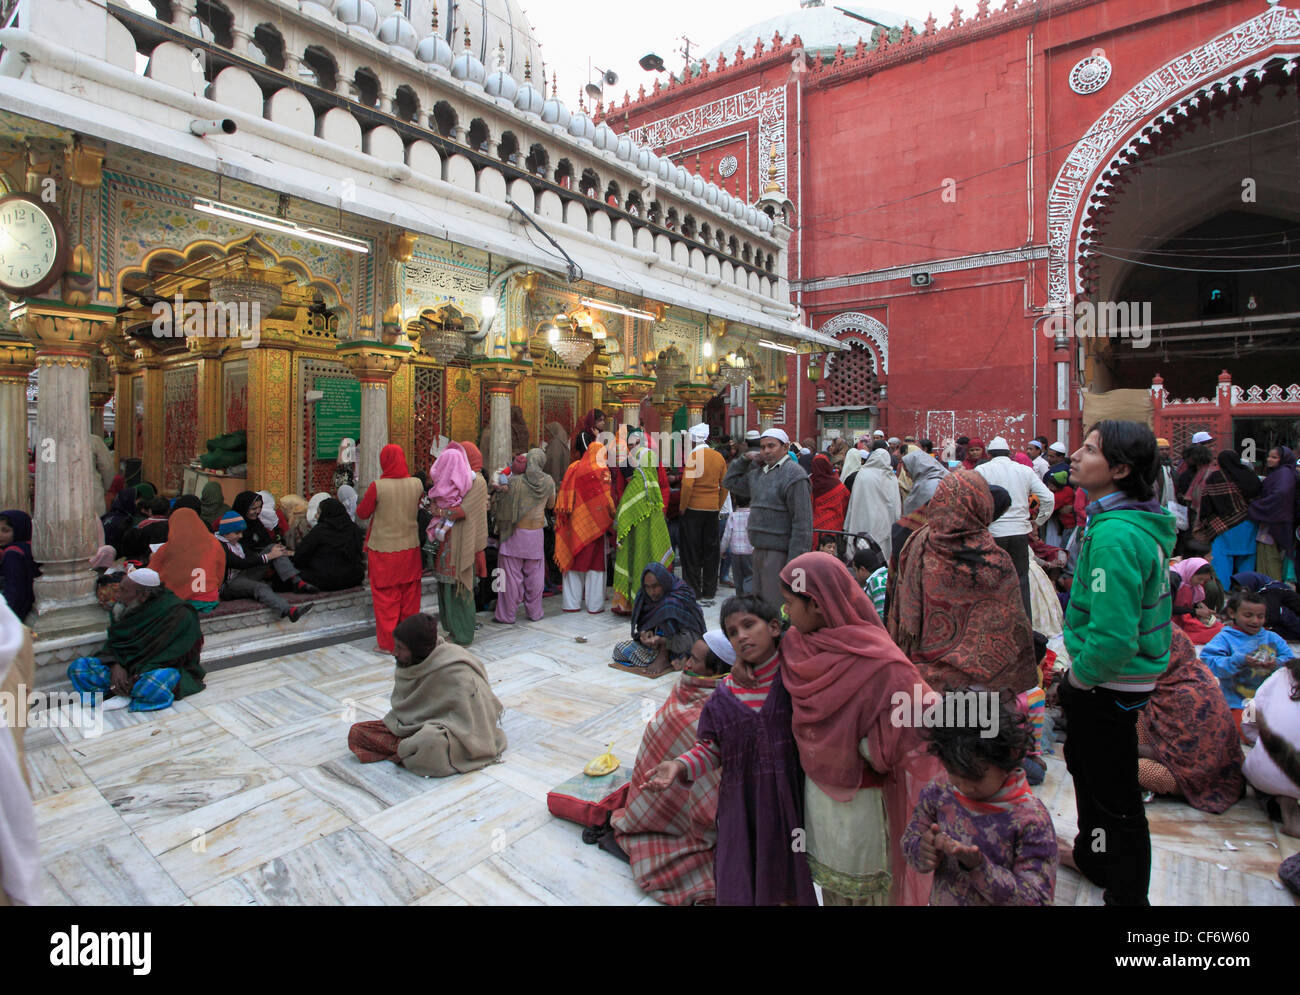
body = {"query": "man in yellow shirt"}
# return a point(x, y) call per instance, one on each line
point(701, 499)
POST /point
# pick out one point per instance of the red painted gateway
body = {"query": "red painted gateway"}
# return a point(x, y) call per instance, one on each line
point(1007, 213)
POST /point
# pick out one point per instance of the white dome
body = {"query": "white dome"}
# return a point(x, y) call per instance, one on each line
point(821, 27)
point(711, 194)
point(697, 186)
point(681, 178)
point(605, 138)
point(751, 217)
point(737, 208)
point(647, 161)
point(499, 84)
point(580, 126)
point(397, 30)
point(468, 67)
point(529, 100)
point(554, 112)
point(724, 202)
point(434, 50)
point(625, 149)
point(492, 23)
point(358, 13)
point(666, 169)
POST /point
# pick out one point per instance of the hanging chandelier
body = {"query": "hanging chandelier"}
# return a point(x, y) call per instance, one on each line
point(671, 369)
point(571, 344)
point(253, 297)
point(734, 369)
point(442, 342)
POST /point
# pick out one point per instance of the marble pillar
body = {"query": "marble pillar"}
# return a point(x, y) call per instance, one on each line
point(501, 376)
point(767, 405)
point(374, 365)
point(630, 391)
point(17, 357)
point(695, 396)
point(64, 533)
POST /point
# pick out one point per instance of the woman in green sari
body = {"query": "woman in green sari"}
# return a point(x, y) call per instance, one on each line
point(641, 527)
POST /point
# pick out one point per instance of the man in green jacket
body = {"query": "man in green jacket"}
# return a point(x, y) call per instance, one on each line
point(1117, 631)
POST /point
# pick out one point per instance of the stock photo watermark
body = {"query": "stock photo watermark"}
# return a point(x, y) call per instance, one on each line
point(24, 709)
point(208, 320)
point(1103, 320)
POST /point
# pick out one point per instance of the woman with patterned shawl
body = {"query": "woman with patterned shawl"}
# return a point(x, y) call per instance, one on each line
point(954, 601)
point(830, 498)
point(1188, 743)
point(666, 621)
point(152, 651)
point(584, 512)
point(925, 472)
point(520, 513)
point(640, 526)
point(670, 837)
point(460, 558)
point(864, 770)
point(1223, 520)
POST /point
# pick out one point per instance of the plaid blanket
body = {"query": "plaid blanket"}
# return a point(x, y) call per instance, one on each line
point(670, 837)
point(1222, 508)
point(584, 509)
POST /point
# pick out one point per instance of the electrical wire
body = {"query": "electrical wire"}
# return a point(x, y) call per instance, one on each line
point(1189, 269)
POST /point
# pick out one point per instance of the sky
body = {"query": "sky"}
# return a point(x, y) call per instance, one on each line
point(614, 35)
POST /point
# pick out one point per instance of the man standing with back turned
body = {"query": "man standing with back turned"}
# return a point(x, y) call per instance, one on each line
point(780, 508)
point(1117, 631)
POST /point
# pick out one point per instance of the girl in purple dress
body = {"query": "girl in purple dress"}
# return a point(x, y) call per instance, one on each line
point(761, 858)
point(980, 829)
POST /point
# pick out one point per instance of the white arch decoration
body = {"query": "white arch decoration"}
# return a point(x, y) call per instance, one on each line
point(1188, 72)
point(874, 330)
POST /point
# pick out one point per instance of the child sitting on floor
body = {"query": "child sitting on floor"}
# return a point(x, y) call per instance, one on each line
point(982, 832)
point(747, 732)
point(1244, 653)
point(873, 574)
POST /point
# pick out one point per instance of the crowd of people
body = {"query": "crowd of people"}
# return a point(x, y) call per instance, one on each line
point(861, 575)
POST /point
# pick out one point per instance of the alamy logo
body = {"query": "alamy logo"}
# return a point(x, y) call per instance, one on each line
point(208, 320)
point(77, 949)
point(1103, 320)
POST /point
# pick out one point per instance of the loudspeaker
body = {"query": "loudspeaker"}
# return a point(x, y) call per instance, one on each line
point(921, 279)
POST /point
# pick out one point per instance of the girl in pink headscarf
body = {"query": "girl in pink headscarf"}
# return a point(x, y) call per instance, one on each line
point(1187, 586)
point(450, 479)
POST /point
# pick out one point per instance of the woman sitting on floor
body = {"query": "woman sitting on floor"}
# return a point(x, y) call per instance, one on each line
point(1187, 580)
point(330, 556)
point(669, 838)
point(1187, 741)
point(1273, 766)
point(192, 562)
point(666, 622)
point(444, 719)
point(256, 538)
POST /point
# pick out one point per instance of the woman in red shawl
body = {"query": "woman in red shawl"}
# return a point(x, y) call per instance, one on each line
point(865, 771)
point(830, 498)
point(975, 454)
point(584, 512)
point(1188, 743)
point(392, 504)
point(954, 601)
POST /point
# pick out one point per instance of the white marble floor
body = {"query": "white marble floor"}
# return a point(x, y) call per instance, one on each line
point(246, 794)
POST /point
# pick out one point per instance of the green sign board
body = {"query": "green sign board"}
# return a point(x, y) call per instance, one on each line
point(338, 414)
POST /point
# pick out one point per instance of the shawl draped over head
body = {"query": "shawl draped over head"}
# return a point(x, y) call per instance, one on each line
point(468, 536)
point(1189, 594)
point(584, 508)
point(450, 477)
point(419, 634)
point(347, 494)
point(190, 501)
point(256, 537)
point(823, 476)
point(676, 610)
point(392, 466)
point(192, 562)
point(124, 503)
point(842, 679)
point(313, 507)
point(105, 557)
point(876, 502)
point(267, 515)
point(954, 601)
point(1250, 580)
point(852, 463)
point(830, 498)
point(527, 490)
point(295, 507)
point(19, 567)
point(640, 526)
point(145, 492)
point(1191, 732)
point(970, 464)
point(445, 713)
point(518, 431)
point(213, 503)
point(161, 632)
point(557, 452)
point(115, 488)
point(586, 434)
point(1276, 504)
point(473, 455)
point(926, 472)
point(1226, 491)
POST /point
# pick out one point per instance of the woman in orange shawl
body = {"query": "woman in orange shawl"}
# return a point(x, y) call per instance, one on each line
point(830, 498)
point(584, 513)
point(865, 771)
point(191, 563)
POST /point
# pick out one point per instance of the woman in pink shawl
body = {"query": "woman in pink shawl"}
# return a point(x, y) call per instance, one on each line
point(1187, 580)
point(450, 479)
point(865, 771)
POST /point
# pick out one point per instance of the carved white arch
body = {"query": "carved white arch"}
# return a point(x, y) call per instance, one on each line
point(1177, 78)
point(874, 331)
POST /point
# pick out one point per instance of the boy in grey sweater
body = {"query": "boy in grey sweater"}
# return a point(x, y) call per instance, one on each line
point(780, 508)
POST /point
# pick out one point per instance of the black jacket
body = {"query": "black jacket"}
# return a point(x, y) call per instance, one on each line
point(330, 555)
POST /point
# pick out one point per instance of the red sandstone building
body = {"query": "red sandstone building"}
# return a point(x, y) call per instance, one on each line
point(957, 186)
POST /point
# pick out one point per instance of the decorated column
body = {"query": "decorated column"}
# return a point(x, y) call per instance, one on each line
point(101, 391)
point(211, 415)
point(17, 360)
point(630, 391)
point(695, 396)
point(373, 364)
point(767, 403)
point(501, 376)
point(64, 534)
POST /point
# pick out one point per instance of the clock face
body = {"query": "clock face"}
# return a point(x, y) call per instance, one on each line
point(32, 245)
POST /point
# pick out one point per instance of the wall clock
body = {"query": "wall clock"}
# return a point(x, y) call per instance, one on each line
point(34, 246)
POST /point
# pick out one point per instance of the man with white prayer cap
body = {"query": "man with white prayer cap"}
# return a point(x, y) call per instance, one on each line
point(702, 498)
point(751, 439)
point(151, 655)
point(780, 508)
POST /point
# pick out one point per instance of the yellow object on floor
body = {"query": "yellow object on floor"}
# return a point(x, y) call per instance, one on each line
point(604, 764)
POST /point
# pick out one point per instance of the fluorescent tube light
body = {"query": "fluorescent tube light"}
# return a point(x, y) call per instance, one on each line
point(256, 219)
point(617, 309)
point(777, 346)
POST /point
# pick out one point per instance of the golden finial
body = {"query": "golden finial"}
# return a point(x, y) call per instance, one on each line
point(772, 185)
point(435, 18)
point(555, 85)
point(467, 36)
point(528, 69)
